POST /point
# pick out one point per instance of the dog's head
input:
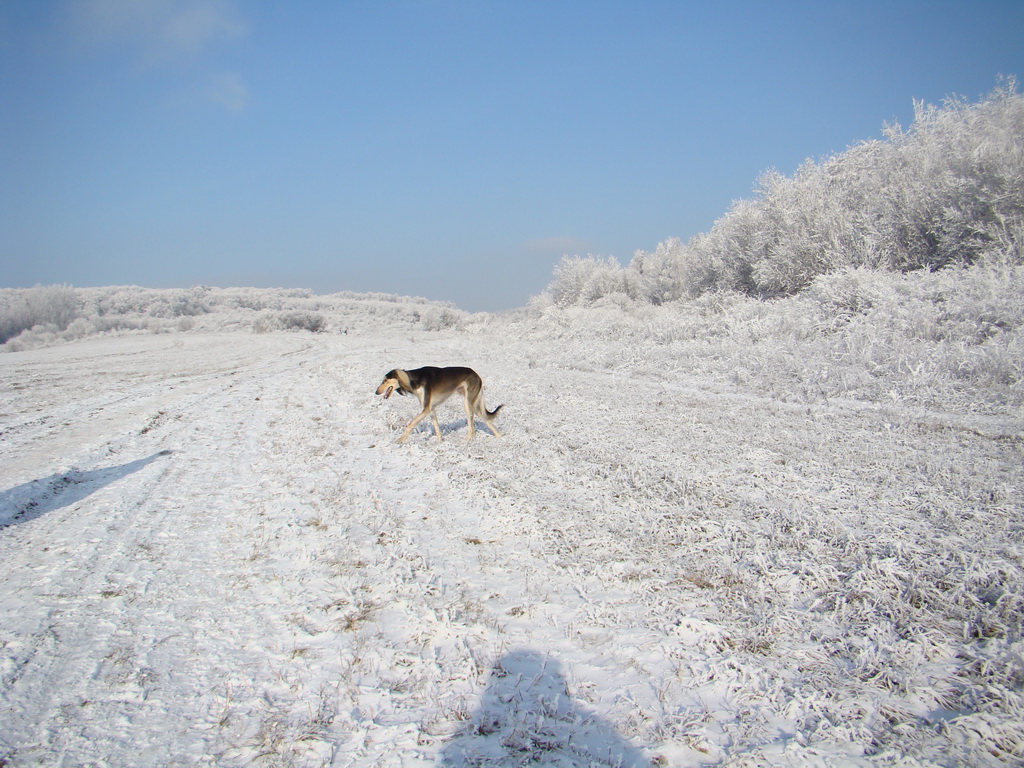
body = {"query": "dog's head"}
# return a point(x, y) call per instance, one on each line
point(390, 384)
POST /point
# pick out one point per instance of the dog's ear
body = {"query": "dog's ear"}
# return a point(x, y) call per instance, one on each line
point(405, 384)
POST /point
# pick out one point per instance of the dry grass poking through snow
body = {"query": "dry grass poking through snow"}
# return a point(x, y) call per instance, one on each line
point(690, 547)
point(805, 565)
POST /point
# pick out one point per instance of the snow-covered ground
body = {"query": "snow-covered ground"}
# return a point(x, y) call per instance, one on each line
point(215, 554)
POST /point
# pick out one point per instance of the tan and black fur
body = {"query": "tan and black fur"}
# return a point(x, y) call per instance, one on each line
point(435, 385)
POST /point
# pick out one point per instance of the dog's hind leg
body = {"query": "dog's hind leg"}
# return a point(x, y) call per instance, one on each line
point(437, 427)
point(488, 416)
point(470, 424)
point(490, 425)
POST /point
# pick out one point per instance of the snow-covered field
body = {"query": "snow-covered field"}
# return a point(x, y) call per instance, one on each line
point(215, 554)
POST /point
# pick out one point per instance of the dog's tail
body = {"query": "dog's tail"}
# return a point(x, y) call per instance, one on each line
point(492, 414)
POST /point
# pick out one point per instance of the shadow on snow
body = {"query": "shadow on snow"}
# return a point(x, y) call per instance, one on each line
point(527, 717)
point(31, 500)
point(451, 427)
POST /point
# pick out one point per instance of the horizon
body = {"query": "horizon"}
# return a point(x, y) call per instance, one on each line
point(446, 150)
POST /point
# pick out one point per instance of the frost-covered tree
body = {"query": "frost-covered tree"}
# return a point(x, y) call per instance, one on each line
point(948, 190)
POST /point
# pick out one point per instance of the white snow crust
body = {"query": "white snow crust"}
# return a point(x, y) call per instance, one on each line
point(213, 553)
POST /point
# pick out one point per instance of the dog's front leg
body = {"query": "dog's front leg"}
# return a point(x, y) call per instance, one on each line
point(412, 425)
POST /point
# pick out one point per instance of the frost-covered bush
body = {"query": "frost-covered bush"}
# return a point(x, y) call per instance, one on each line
point(947, 191)
point(120, 300)
point(264, 324)
point(302, 321)
point(289, 321)
point(583, 280)
point(181, 303)
point(660, 275)
point(53, 306)
point(948, 339)
point(439, 318)
point(47, 334)
point(52, 316)
point(152, 302)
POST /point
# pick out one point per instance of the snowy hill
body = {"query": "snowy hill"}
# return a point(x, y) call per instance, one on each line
point(690, 547)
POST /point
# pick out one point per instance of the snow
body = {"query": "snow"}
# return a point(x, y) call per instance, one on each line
point(215, 554)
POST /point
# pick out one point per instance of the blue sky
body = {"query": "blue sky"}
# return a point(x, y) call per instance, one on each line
point(453, 150)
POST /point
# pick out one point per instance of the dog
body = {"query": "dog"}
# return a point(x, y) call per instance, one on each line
point(435, 385)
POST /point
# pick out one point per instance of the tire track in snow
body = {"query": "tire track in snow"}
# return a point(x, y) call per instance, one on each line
point(257, 576)
point(95, 391)
point(61, 595)
point(291, 588)
point(87, 572)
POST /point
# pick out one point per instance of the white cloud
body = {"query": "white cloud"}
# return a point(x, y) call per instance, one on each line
point(198, 24)
point(172, 37)
point(227, 90)
point(162, 29)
